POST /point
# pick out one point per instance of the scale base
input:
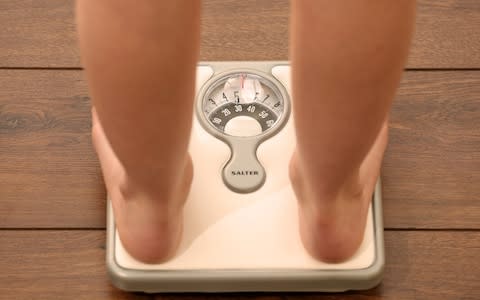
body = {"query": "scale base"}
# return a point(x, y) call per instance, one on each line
point(235, 242)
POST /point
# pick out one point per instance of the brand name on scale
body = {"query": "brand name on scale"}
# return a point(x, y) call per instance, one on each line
point(244, 173)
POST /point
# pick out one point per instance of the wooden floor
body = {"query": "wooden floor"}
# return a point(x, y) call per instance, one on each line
point(52, 199)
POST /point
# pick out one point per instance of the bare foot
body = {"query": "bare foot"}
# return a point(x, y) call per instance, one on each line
point(332, 228)
point(149, 222)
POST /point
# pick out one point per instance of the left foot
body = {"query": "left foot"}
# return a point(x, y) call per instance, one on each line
point(332, 226)
point(149, 223)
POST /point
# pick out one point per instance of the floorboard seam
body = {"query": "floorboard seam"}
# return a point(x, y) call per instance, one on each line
point(80, 69)
point(103, 228)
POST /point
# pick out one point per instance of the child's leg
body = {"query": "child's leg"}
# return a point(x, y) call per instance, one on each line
point(140, 59)
point(347, 60)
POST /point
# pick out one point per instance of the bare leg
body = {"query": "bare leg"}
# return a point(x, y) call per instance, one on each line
point(140, 59)
point(347, 59)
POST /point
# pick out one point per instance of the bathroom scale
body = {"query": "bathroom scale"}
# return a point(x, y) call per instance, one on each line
point(240, 221)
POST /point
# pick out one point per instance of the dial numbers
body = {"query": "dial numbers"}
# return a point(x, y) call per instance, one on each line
point(243, 94)
point(263, 115)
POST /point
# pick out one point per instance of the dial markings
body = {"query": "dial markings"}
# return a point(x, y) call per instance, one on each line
point(223, 114)
point(237, 98)
point(243, 94)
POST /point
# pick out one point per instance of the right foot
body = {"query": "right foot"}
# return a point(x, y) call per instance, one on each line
point(332, 227)
point(149, 224)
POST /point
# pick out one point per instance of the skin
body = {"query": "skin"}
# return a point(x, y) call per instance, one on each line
point(140, 59)
point(347, 59)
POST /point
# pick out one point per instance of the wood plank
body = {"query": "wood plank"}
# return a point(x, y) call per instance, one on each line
point(447, 35)
point(38, 34)
point(49, 175)
point(70, 264)
point(55, 265)
point(426, 265)
point(431, 170)
point(50, 178)
point(42, 33)
point(244, 30)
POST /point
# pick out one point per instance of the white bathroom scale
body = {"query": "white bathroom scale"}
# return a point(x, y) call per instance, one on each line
point(241, 223)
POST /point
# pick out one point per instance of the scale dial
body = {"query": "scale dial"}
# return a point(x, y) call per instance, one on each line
point(252, 101)
point(243, 108)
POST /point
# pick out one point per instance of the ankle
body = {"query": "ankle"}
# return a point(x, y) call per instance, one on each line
point(325, 187)
point(161, 189)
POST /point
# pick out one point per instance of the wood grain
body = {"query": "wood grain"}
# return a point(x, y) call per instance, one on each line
point(431, 170)
point(447, 35)
point(49, 173)
point(42, 33)
point(55, 265)
point(70, 265)
point(38, 34)
point(50, 177)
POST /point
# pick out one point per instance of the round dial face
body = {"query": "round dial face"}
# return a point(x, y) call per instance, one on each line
point(243, 104)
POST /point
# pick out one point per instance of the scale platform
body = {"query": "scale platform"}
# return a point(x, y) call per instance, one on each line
point(240, 223)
